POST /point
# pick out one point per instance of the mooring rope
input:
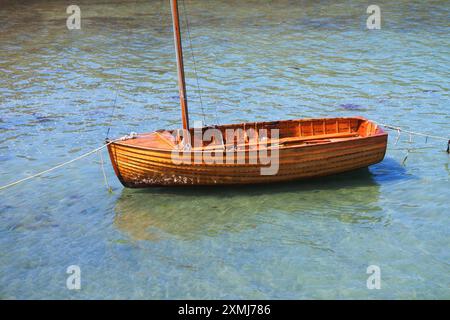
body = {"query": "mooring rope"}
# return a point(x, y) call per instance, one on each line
point(103, 171)
point(399, 129)
point(426, 135)
point(130, 136)
point(55, 167)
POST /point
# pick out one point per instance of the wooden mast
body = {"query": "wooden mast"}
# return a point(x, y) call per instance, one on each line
point(180, 66)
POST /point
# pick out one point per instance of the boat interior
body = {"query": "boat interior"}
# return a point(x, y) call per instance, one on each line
point(246, 135)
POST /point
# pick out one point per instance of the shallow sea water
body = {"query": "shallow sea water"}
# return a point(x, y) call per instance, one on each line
point(256, 60)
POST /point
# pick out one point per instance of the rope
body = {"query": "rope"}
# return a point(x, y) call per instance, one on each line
point(186, 21)
point(115, 102)
point(103, 171)
point(399, 129)
point(130, 136)
point(112, 113)
point(118, 84)
point(411, 133)
point(55, 167)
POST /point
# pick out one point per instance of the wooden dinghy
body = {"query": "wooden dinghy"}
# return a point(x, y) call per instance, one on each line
point(304, 148)
point(246, 153)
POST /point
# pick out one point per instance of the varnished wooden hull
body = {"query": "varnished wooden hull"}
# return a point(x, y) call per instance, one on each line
point(149, 163)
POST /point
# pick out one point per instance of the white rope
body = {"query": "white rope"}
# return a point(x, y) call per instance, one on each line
point(399, 129)
point(130, 136)
point(103, 171)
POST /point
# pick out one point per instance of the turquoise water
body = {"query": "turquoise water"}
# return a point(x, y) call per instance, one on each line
point(256, 60)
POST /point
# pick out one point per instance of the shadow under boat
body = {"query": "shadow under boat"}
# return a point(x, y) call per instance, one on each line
point(192, 213)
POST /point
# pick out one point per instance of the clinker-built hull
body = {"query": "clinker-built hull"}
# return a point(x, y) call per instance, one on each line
point(287, 150)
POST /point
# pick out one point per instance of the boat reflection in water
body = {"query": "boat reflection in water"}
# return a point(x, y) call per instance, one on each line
point(154, 214)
